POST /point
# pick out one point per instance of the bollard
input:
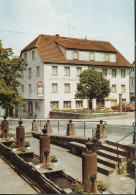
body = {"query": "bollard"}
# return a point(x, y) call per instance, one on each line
point(101, 133)
point(35, 126)
point(48, 126)
point(20, 135)
point(120, 102)
point(89, 169)
point(71, 129)
point(5, 128)
point(44, 146)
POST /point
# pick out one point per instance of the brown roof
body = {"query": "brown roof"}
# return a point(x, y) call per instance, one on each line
point(47, 47)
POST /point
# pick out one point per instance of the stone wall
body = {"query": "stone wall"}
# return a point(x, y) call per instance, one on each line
point(69, 115)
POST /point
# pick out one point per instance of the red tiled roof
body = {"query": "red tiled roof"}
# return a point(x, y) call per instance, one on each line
point(47, 47)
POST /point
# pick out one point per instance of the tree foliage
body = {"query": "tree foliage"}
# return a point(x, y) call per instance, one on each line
point(10, 72)
point(92, 84)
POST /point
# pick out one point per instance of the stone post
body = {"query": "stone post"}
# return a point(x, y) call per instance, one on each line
point(101, 133)
point(71, 129)
point(44, 145)
point(89, 168)
point(48, 126)
point(35, 126)
point(5, 125)
point(120, 102)
point(20, 134)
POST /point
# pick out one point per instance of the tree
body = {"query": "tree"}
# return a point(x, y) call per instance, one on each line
point(92, 84)
point(10, 72)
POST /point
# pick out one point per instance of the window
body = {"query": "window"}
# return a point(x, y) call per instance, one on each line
point(67, 104)
point(113, 73)
point(123, 73)
point(38, 71)
point(113, 89)
point(107, 57)
point(104, 72)
point(122, 88)
point(33, 55)
point(30, 88)
point(124, 100)
point(114, 102)
point(37, 105)
point(54, 70)
point(91, 56)
point(75, 55)
point(54, 87)
point(25, 56)
point(29, 72)
point(133, 82)
point(22, 88)
point(79, 104)
point(79, 70)
point(54, 104)
point(67, 88)
point(22, 74)
point(66, 71)
point(23, 108)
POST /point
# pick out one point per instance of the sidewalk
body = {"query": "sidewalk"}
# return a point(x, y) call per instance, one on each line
point(11, 182)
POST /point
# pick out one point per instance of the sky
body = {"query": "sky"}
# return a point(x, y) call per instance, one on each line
point(21, 21)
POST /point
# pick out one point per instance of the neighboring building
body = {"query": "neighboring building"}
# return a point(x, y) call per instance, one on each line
point(54, 65)
point(132, 83)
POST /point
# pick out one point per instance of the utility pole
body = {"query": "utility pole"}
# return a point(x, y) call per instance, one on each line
point(69, 26)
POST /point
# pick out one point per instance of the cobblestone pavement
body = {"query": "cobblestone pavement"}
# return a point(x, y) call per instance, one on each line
point(117, 184)
point(12, 182)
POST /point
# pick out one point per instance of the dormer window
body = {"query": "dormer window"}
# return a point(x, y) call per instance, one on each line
point(91, 56)
point(75, 55)
point(107, 57)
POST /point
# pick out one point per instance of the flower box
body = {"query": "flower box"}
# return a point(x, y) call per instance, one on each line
point(13, 149)
point(36, 166)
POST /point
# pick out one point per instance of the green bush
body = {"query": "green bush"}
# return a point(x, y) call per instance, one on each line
point(101, 186)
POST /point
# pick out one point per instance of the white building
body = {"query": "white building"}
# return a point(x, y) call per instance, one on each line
point(54, 65)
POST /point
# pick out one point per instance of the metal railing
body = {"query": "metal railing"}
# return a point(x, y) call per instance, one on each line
point(117, 144)
point(74, 121)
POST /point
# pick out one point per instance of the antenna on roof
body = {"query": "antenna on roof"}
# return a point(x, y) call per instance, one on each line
point(69, 26)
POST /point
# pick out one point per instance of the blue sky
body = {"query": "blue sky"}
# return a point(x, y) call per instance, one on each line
point(109, 20)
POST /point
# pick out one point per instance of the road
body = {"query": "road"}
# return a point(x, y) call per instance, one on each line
point(117, 126)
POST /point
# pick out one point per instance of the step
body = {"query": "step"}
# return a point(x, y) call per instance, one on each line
point(111, 156)
point(113, 149)
point(108, 162)
point(105, 169)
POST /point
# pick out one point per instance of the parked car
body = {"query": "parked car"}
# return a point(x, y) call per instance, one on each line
point(125, 107)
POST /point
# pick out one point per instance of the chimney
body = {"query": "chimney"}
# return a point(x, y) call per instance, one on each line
point(57, 35)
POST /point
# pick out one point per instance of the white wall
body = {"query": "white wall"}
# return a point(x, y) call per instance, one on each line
point(60, 79)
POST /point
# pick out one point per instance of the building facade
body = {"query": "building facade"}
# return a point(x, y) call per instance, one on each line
point(54, 66)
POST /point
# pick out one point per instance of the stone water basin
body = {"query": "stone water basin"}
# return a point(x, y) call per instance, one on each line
point(27, 156)
point(60, 179)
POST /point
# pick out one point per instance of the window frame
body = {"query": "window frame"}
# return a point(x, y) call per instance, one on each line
point(54, 91)
point(105, 57)
point(81, 103)
point(66, 91)
point(115, 73)
point(93, 54)
point(33, 55)
point(123, 90)
point(29, 73)
point(55, 106)
point(115, 89)
point(68, 106)
point(78, 71)
point(37, 71)
point(65, 72)
point(54, 73)
point(77, 53)
point(103, 72)
point(30, 88)
point(124, 73)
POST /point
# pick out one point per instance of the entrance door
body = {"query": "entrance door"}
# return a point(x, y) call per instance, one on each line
point(30, 108)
